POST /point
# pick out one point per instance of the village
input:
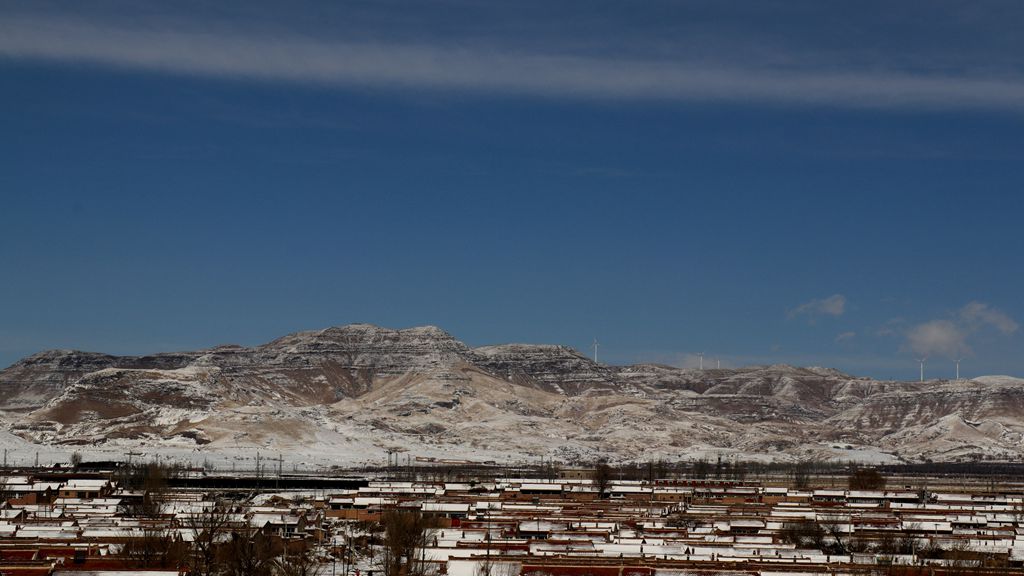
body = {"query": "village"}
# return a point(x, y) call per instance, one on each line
point(146, 519)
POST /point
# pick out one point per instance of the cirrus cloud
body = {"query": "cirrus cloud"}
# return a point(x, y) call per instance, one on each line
point(296, 58)
point(834, 305)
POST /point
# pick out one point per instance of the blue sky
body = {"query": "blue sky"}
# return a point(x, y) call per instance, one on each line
point(804, 182)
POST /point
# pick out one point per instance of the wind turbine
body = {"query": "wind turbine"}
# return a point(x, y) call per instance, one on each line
point(595, 345)
point(921, 361)
point(958, 360)
point(700, 356)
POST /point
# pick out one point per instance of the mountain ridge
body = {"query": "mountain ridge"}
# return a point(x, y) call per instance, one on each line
point(423, 390)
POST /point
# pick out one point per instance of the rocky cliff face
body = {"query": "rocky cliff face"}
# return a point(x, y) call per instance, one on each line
point(558, 369)
point(312, 367)
point(33, 381)
point(421, 389)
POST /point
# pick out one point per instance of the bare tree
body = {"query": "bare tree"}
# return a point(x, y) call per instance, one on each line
point(602, 477)
point(300, 563)
point(961, 559)
point(902, 543)
point(249, 552)
point(804, 534)
point(833, 525)
point(5, 492)
point(866, 479)
point(405, 537)
point(207, 528)
point(152, 480)
point(907, 542)
point(886, 543)
point(364, 538)
point(802, 475)
point(155, 547)
point(701, 468)
point(857, 544)
point(684, 520)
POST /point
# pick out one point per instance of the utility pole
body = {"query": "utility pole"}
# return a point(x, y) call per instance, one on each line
point(487, 562)
point(344, 558)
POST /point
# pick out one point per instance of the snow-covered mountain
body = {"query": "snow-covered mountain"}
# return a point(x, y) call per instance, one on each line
point(350, 393)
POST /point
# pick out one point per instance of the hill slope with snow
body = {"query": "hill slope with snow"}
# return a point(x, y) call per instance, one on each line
point(350, 393)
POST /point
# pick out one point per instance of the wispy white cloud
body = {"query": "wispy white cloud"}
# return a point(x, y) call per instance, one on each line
point(844, 336)
point(834, 305)
point(891, 327)
point(949, 337)
point(978, 314)
point(429, 67)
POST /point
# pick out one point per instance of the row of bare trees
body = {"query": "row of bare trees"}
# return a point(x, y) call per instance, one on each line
point(150, 481)
point(219, 545)
point(5, 492)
